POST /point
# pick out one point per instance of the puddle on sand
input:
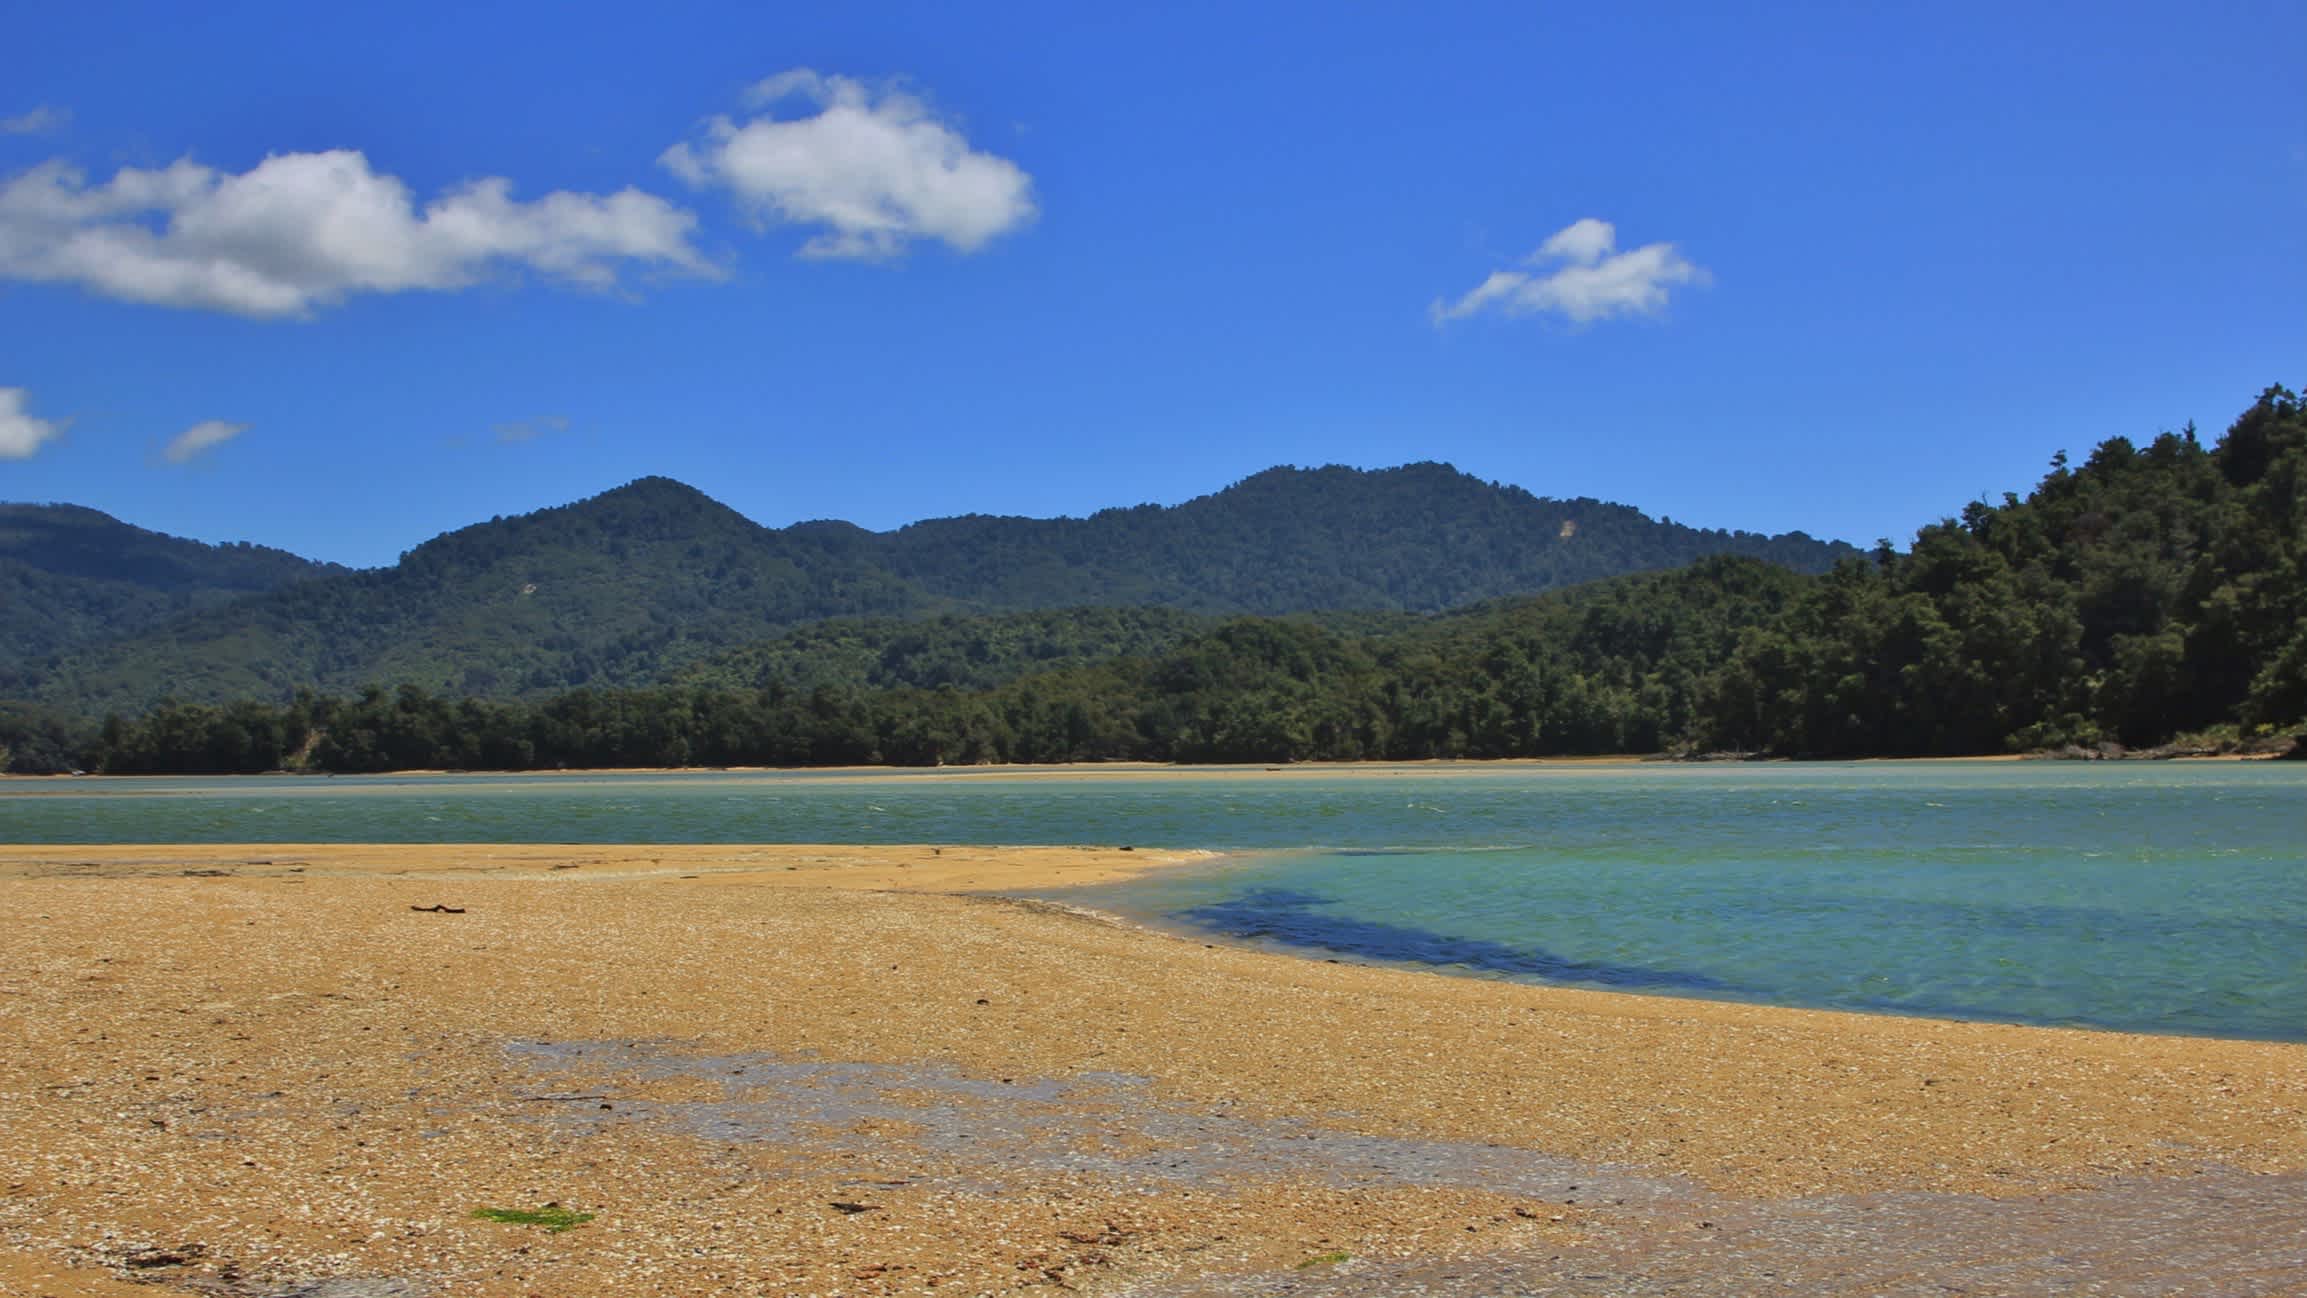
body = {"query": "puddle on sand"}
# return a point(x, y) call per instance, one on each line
point(1108, 1125)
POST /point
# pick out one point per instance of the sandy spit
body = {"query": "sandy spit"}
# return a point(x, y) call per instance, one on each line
point(1069, 772)
point(288, 1070)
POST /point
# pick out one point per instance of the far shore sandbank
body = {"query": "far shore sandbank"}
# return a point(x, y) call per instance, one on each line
point(1148, 770)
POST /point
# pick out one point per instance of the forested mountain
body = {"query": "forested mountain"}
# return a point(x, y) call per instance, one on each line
point(633, 585)
point(615, 589)
point(70, 575)
point(949, 651)
point(1420, 538)
point(2145, 595)
point(2152, 591)
point(1607, 667)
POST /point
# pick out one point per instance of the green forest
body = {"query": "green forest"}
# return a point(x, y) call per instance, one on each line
point(630, 587)
point(70, 575)
point(2146, 595)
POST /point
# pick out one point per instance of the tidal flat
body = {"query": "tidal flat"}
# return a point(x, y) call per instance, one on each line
point(286, 1068)
point(2147, 897)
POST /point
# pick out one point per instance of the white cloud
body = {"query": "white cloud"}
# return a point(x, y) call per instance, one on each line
point(1582, 242)
point(1579, 274)
point(873, 167)
point(524, 430)
point(39, 121)
point(199, 440)
point(20, 433)
point(301, 230)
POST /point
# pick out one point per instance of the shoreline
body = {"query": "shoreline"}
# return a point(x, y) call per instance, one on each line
point(1150, 770)
point(938, 869)
point(1044, 770)
point(292, 1037)
point(1014, 874)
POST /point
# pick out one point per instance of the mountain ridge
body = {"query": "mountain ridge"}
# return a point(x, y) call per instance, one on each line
point(70, 573)
point(634, 582)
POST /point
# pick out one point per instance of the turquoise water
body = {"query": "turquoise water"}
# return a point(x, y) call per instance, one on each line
point(2146, 897)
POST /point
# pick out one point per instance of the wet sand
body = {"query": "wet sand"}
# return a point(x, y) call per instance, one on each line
point(280, 1070)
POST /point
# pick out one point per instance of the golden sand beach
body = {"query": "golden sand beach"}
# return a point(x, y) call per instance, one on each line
point(300, 1070)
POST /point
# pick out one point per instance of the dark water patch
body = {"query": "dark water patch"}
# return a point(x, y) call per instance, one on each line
point(1295, 918)
point(1315, 924)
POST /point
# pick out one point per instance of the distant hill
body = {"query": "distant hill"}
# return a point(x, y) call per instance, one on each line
point(1420, 538)
point(635, 584)
point(70, 575)
point(615, 589)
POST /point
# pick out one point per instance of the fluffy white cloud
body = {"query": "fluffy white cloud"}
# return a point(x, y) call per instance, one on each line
point(199, 440)
point(301, 230)
point(1578, 273)
point(873, 167)
point(20, 433)
point(38, 121)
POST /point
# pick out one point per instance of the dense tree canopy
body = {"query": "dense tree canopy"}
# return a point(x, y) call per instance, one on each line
point(2149, 592)
point(71, 576)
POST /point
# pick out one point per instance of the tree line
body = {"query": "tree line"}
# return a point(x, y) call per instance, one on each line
point(2148, 593)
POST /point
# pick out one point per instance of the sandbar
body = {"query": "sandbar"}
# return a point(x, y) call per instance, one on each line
point(1061, 772)
point(279, 1069)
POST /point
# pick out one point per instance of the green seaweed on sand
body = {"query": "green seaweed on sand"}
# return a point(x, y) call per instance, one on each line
point(553, 1217)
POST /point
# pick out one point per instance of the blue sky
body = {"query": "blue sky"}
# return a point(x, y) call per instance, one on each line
point(337, 279)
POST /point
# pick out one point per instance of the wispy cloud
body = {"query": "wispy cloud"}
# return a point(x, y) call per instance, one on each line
point(527, 430)
point(872, 169)
point(1580, 275)
point(21, 434)
point(305, 230)
point(39, 121)
point(200, 439)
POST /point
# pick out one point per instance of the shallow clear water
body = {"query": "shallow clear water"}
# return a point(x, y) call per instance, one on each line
point(2148, 897)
